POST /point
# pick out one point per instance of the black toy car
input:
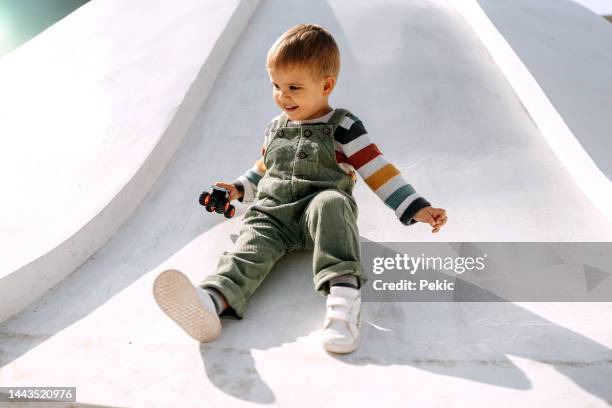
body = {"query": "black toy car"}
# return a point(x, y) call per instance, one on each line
point(217, 200)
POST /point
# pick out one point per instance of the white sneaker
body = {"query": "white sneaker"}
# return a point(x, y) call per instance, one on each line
point(340, 333)
point(189, 306)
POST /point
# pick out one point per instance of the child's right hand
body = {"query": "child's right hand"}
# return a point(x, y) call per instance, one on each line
point(234, 193)
point(436, 217)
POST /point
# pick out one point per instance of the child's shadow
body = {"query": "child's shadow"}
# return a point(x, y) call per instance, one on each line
point(282, 309)
point(464, 340)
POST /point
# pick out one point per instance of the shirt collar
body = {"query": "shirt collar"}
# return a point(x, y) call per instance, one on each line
point(321, 119)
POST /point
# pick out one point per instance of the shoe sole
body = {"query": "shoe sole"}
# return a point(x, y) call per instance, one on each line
point(178, 298)
point(344, 348)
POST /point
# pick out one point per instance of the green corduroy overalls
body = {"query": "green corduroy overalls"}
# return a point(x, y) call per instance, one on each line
point(304, 201)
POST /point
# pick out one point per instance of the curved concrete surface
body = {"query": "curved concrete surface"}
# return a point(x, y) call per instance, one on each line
point(601, 7)
point(90, 113)
point(561, 75)
point(461, 137)
point(571, 66)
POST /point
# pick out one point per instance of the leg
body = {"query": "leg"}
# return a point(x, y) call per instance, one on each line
point(330, 228)
point(191, 308)
point(240, 271)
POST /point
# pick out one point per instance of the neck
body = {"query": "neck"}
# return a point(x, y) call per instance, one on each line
point(323, 111)
point(316, 115)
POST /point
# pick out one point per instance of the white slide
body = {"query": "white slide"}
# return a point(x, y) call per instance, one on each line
point(440, 108)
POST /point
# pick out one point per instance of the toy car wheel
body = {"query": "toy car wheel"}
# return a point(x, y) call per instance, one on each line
point(229, 213)
point(203, 198)
point(209, 208)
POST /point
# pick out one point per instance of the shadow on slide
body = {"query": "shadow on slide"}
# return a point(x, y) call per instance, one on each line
point(464, 340)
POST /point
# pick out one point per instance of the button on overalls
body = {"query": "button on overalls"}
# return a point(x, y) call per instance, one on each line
point(304, 201)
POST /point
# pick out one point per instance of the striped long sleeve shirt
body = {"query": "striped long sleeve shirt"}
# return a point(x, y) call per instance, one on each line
point(355, 152)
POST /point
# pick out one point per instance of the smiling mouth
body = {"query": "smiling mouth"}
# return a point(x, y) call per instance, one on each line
point(291, 109)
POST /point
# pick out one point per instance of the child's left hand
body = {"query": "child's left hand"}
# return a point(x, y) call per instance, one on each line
point(436, 217)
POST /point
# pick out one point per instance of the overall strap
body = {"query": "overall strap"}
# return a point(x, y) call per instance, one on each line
point(282, 122)
point(338, 116)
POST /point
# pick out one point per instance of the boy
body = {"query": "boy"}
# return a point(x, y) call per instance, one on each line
point(303, 190)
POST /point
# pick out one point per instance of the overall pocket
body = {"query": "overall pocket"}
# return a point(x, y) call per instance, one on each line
point(278, 155)
point(307, 159)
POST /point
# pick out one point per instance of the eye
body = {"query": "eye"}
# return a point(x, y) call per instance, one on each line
point(295, 88)
point(275, 86)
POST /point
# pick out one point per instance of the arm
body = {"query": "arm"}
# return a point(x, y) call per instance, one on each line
point(248, 182)
point(383, 178)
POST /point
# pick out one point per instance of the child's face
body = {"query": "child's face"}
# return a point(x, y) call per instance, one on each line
point(295, 86)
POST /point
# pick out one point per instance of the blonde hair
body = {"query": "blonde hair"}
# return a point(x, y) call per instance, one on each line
point(307, 45)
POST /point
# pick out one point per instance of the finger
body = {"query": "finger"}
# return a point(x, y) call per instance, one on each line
point(224, 185)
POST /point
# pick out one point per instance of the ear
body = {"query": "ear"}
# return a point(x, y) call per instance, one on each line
point(328, 85)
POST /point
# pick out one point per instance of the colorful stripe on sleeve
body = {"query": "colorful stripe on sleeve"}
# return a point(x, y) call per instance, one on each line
point(354, 147)
point(250, 181)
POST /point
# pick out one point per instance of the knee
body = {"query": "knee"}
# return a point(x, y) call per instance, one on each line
point(331, 201)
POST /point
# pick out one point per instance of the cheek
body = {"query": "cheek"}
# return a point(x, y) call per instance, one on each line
point(302, 98)
point(310, 95)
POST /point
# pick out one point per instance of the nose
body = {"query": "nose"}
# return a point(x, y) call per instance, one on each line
point(282, 96)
